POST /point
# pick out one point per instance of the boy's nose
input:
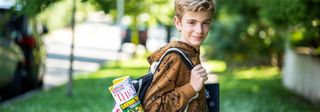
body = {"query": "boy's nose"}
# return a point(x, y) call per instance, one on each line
point(199, 29)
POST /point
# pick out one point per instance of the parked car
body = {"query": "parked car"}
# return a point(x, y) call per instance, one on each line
point(11, 58)
point(22, 52)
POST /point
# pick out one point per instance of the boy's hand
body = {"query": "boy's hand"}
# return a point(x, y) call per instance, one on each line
point(198, 77)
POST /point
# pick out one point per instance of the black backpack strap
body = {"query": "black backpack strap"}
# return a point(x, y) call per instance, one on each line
point(184, 57)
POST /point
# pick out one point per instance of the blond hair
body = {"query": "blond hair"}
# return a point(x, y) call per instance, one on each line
point(180, 6)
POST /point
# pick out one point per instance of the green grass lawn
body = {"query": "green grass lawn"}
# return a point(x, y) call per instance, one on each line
point(241, 90)
point(258, 90)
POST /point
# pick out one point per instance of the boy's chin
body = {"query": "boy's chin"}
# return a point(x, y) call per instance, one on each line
point(196, 44)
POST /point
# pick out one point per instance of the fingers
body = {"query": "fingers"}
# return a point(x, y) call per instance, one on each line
point(196, 68)
point(204, 75)
point(198, 77)
point(199, 69)
point(205, 78)
point(200, 72)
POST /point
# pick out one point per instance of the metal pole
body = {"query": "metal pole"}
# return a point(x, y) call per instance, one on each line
point(70, 82)
point(120, 11)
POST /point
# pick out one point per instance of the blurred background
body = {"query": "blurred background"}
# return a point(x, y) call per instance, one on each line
point(62, 55)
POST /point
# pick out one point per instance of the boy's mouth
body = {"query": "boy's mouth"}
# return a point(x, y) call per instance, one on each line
point(198, 38)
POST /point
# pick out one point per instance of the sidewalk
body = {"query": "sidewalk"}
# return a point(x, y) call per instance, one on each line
point(95, 43)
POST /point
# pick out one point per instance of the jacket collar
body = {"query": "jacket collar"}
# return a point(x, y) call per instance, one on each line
point(186, 48)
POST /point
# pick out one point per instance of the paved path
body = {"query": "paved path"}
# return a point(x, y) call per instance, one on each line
point(94, 44)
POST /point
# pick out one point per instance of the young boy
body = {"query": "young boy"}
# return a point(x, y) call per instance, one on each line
point(175, 87)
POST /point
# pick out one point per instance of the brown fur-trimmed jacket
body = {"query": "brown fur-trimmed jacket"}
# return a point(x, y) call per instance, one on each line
point(170, 90)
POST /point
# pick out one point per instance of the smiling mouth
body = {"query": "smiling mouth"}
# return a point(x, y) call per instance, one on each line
point(198, 37)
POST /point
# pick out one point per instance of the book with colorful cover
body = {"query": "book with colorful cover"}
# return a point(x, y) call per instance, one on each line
point(125, 96)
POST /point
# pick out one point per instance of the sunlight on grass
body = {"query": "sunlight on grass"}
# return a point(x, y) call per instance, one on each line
point(216, 66)
point(116, 72)
point(133, 63)
point(257, 73)
point(134, 68)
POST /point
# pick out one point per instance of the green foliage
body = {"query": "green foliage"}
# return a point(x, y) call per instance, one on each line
point(236, 38)
point(33, 7)
point(161, 11)
point(57, 15)
point(105, 5)
point(285, 12)
point(299, 17)
point(253, 32)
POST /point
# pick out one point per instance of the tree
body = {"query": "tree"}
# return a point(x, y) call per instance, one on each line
point(237, 35)
point(162, 12)
point(303, 25)
point(33, 7)
point(254, 32)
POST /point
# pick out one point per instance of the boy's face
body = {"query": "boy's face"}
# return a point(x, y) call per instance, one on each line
point(194, 27)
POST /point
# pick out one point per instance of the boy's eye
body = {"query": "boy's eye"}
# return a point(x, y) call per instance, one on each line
point(207, 23)
point(191, 22)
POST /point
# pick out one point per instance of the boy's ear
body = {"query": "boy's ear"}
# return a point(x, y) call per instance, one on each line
point(177, 23)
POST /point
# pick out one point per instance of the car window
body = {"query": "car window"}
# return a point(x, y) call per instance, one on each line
point(20, 23)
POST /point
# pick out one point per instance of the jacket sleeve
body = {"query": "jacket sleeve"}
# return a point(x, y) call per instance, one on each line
point(163, 94)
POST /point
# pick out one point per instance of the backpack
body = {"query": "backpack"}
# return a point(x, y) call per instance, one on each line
point(142, 84)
